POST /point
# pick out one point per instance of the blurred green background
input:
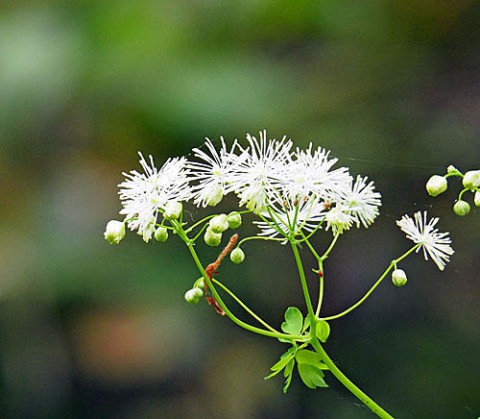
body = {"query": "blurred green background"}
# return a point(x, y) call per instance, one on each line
point(90, 330)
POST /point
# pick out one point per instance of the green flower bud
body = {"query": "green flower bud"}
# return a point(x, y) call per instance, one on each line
point(436, 185)
point(461, 208)
point(476, 199)
point(237, 256)
point(161, 234)
point(399, 277)
point(193, 296)
point(452, 169)
point(219, 223)
point(234, 219)
point(471, 180)
point(211, 238)
point(114, 231)
point(199, 283)
point(173, 210)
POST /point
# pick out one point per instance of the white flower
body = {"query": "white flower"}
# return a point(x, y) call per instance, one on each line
point(421, 231)
point(309, 172)
point(259, 173)
point(211, 173)
point(361, 200)
point(304, 215)
point(143, 195)
point(339, 219)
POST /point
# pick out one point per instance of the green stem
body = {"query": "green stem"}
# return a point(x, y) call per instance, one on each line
point(332, 244)
point(303, 280)
point(219, 300)
point(321, 283)
point(392, 265)
point(340, 376)
point(243, 305)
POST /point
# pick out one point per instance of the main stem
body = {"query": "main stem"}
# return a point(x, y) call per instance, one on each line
point(340, 376)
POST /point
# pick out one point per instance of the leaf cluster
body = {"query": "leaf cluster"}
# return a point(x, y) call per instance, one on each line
point(310, 365)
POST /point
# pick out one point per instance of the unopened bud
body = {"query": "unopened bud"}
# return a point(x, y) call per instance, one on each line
point(161, 234)
point(173, 210)
point(476, 199)
point(212, 238)
point(237, 256)
point(452, 169)
point(193, 295)
point(399, 277)
point(219, 223)
point(234, 219)
point(471, 180)
point(114, 231)
point(436, 185)
point(461, 208)
point(199, 283)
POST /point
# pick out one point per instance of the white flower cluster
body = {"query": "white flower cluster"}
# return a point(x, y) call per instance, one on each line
point(292, 190)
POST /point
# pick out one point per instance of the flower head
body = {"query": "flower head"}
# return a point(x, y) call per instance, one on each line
point(210, 174)
point(285, 218)
point(259, 173)
point(339, 219)
point(423, 232)
point(144, 195)
point(309, 172)
point(361, 200)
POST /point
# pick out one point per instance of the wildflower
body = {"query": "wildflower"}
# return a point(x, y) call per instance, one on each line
point(143, 195)
point(361, 200)
point(211, 174)
point(289, 218)
point(421, 231)
point(339, 219)
point(309, 173)
point(259, 172)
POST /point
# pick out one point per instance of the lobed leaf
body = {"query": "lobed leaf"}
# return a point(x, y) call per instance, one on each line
point(305, 356)
point(311, 376)
point(293, 321)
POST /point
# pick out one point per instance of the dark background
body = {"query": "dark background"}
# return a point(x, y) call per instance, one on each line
point(90, 330)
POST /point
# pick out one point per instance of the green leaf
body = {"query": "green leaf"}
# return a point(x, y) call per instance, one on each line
point(311, 376)
point(305, 356)
point(279, 365)
point(322, 330)
point(288, 374)
point(306, 324)
point(289, 368)
point(293, 321)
